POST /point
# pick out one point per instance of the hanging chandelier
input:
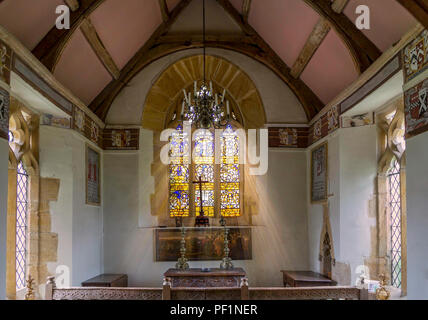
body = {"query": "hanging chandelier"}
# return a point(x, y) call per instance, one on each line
point(202, 107)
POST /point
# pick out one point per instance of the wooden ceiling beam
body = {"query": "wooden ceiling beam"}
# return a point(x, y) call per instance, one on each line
point(246, 6)
point(164, 10)
point(418, 8)
point(94, 40)
point(363, 51)
point(72, 4)
point(101, 104)
point(310, 102)
point(50, 48)
point(320, 31)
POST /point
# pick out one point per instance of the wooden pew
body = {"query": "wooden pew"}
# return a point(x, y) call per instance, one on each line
point(169, 293)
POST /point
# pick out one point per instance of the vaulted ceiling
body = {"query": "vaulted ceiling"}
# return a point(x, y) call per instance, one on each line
point(312, 45)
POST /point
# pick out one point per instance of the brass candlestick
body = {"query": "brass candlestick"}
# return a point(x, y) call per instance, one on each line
point(182, 261)
point(226, 262)
point(29, 295)
point(382, 293)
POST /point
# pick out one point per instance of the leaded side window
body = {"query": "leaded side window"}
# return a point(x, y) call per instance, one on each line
point(222, 182)
point(21, 226)
point(394, 186)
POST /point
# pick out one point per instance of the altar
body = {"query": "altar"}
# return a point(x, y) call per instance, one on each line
point(199, 278)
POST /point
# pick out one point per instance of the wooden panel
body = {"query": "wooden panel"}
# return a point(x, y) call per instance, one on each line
point(121, 139)
point(288, 137)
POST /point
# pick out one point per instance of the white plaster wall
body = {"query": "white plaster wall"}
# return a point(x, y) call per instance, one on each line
point(358, 171)
point(280, 103)
point(315, 211)
point(279, 243)
point(79, 226)
point(417, 217)
point(4, 156)
point(352, 163)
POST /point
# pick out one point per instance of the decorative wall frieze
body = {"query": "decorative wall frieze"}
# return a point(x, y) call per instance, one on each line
point(121, 139)
point(326, 124)
point(5, 62)
point(107, 139)
point(415, 56)
point(4, 113)
point(288, 137)
point(416, 109)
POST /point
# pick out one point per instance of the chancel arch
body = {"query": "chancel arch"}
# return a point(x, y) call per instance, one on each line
point(166, 94)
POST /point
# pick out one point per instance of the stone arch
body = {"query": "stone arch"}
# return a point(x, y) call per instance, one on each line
point(165, 95)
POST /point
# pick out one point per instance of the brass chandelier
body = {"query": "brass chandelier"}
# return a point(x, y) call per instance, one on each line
point(202, 107)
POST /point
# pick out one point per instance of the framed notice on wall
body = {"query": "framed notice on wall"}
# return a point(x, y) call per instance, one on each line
point(319, 173)
point(93, 180)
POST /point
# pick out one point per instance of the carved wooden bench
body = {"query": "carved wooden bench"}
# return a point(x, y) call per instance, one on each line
point(169, 293)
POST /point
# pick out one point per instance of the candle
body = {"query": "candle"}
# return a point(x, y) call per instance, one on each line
point(211, 86)
point(194, 86)
point(216, 99)
point(182, 109)
point(227, 108)
point(224, 94)
point(185, 94)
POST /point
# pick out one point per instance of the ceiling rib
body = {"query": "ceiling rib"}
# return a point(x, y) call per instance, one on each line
point(50, 48)
point(320, 31)
point(94, 40)
point(418, 8)
point(164, 10)
point(363, 51)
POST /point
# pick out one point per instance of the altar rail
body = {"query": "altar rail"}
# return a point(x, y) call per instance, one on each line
point(169, 293)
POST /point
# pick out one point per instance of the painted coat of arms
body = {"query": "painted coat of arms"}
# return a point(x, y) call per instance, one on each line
point(288, 137)
point(333, 119)
point(4, 63)
point(416, 108)
point(79, 120)
point(4, 114)
point(416, 56)
point(317, 130)
point(121, 138)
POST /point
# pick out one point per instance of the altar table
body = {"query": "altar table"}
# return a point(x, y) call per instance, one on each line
point(216, 277)
point(306, 279)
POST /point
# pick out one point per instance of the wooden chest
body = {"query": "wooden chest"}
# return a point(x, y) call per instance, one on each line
point(215, 278)
point(107, 280)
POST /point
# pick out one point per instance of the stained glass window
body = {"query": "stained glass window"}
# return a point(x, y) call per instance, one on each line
point(204, 168)
point(179, 204)
point(229, 174)
point(394, 183)
point(21, 226)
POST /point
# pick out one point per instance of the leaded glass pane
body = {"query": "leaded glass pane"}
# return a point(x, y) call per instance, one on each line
point(229, 174)
point(394, 183)
point(21, 226)
point(204, 168)
point(179, 205)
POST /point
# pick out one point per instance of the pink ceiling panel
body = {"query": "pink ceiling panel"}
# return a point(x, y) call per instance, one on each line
point(80, 69)
point(171, 4)
point(389, 21)
point(331, 69)
point(284, 24)
point(237, 4)
point(28, 21)
point(125, 29)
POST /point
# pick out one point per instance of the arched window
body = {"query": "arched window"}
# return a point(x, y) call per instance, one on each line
point(394, 188)
point(222, 182)
point(230, 174)
point(21, 226)
point(179, 203)
point(204, 168)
